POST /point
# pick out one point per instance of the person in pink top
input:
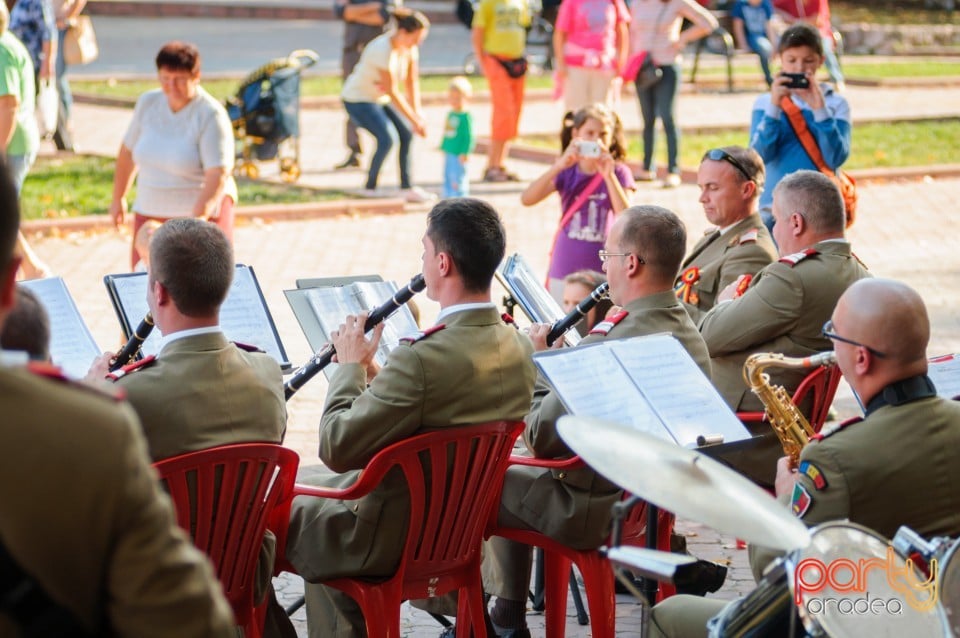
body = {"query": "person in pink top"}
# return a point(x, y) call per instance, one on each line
point(590, 43)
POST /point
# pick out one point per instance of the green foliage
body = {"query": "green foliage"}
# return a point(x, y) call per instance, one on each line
point(83, 185)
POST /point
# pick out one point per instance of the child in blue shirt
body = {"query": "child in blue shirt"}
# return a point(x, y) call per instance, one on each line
point(458, 140)
point(751, 26)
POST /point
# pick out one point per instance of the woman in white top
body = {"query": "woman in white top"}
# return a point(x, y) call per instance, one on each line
point(180, 145)
point(655, 28)
point(371, 94)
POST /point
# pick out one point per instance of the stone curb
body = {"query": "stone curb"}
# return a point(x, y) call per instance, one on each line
point(390, 206)
point(248, 214)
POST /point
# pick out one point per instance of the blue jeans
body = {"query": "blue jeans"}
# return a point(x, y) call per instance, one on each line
point(387, 127)
point(830, 60)
point(660, 100)
point(760, 45)
point(18, 166)
point(455, 180)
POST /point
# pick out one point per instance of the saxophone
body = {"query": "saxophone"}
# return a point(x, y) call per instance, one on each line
point(791, 426)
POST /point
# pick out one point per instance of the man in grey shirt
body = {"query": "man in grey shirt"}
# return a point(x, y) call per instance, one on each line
point(363, 20)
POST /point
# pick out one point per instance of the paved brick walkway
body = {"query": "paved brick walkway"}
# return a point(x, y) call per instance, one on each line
point(907, 230)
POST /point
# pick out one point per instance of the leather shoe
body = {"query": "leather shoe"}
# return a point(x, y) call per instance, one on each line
point(352, 161)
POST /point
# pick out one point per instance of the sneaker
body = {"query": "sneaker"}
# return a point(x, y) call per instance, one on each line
point(499, 174)
point(416, 195)
point(672, 181)
point(352, 161)
point(645, 176)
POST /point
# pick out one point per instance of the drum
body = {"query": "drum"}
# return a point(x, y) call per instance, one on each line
point(950, 586)
point(768, 610)
point(850, 582)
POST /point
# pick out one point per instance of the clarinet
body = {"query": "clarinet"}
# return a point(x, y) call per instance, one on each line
point(321, 359)
point(578, 313)
point(130, 349)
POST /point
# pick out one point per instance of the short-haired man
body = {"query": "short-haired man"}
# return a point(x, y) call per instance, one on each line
point(81, 514)
point(787, 302)
point(471, 367)
point(730, 180)
point(201, 390)
point(641, 258)
point(880, 331)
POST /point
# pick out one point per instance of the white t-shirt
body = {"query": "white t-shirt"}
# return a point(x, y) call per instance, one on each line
point(363, 84)
point(172, 151)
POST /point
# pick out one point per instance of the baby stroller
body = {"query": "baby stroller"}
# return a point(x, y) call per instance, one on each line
point(539, 36)
point(265, 113)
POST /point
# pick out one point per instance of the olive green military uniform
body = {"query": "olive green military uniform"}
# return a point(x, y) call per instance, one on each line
point(717, 260)
point(474, 370)
point(782, 311)
point(203, 391)
point(81, 511)
point(572, 507)
point(898, 466)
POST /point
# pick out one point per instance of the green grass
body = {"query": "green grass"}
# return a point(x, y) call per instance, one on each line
point(874, 145)
point(83, 185)
point(856, 68)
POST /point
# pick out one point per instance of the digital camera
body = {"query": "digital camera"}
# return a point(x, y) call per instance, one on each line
point(588, 148)
point(797, 80)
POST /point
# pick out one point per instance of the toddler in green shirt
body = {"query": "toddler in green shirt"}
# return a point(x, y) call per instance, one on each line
point(458, 139)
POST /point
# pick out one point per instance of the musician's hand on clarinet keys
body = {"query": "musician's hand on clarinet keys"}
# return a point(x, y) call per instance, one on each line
point(786, 477)
point(100, 367)
point(351, 344)
point(538, 335)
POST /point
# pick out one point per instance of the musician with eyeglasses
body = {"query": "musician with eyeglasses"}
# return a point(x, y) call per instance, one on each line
point(730, 180)
point(470, 367)
point(897, 465)
point(89, 545)
point(641, 258)
point(786, 303)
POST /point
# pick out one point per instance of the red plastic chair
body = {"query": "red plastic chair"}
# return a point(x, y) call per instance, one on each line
point(442, 550)
point(597, 572)
point(223, 497)
point(821, 384)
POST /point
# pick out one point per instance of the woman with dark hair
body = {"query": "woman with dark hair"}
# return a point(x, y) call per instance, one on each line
point(375, 102)
point(180, 147)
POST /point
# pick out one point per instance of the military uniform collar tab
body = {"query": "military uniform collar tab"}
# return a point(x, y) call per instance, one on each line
point(13, 358)
point(903, 391)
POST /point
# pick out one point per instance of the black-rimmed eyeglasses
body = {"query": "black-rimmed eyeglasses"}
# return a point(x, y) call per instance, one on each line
point(830, 334)
point(720, 155)
point(604, 255)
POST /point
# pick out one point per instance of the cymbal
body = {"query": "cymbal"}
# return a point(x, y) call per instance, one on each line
point(682, 481)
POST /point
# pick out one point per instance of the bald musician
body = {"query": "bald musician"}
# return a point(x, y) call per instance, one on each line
point(88, 542)
point(788, 301)
point(200, 390)
point(730, 180)
point(641, 257)
point(898, 465)
point(471, 367)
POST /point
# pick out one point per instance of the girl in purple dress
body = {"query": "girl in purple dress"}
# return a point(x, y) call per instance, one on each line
point(594, 185)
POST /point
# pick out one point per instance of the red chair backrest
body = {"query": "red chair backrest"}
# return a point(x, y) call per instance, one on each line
point(223, 497)
point(821, 384)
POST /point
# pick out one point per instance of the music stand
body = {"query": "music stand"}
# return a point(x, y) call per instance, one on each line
point(325, 282)
point(527, 291)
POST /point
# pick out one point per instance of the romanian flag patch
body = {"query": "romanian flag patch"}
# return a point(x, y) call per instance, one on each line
point(813, 473)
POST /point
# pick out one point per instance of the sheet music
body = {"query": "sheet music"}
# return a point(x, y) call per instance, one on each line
point(679, 392)
point(945, 373)
point(331, 305)
point(590, 381)
point(533, 298)
point(72, 347)
point(244, 316)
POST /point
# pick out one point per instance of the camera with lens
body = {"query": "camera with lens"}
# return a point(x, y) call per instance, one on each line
point(797, 80)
